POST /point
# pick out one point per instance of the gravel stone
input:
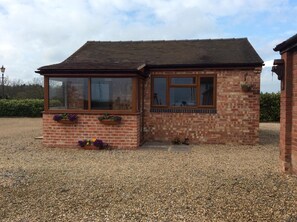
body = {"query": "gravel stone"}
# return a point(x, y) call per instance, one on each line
point(207, 183)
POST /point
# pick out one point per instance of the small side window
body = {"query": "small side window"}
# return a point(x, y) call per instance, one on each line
point(159, 91)
point(206, 91)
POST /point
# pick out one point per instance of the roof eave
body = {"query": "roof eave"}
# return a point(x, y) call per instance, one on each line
point(224, 65)
point(286, 45)
point(88, 71)
point(282, 50)
point(44, 71)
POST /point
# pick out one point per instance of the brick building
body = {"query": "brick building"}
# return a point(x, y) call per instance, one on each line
point(286, 69)
point(203, 90)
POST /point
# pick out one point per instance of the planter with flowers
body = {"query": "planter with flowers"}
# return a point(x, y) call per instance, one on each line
point(93, 144)
point(107, 119)
point(66, 118)
point(246, 87)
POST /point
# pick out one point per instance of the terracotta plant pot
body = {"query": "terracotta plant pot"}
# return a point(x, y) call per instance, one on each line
point(246, 88)
point(110, 122)
point(90, 147)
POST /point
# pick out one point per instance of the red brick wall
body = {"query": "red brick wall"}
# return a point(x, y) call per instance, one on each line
point(236, 120)
point(123, 136)
point(288, 127)
point(286, 116)
point(294, 114)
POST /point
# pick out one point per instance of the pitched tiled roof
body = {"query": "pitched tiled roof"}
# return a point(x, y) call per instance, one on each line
point(287, 45)
point(131, 55)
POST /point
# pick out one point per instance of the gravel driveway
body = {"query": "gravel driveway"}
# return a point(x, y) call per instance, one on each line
point(209, 183)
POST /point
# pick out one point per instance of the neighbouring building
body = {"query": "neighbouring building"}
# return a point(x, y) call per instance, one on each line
point(286, 69)
point(204, 90)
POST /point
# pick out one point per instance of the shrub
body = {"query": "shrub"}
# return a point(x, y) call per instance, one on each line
point(269, 107)
point(21, 108)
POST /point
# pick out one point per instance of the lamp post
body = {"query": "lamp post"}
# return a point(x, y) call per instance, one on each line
point(2, 70)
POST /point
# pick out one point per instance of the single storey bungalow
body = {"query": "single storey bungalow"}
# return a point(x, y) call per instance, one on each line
point(201, 91)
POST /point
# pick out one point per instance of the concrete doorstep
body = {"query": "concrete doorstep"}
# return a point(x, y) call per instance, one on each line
point(165, 147)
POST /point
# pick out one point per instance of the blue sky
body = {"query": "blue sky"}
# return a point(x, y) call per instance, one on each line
point(40, 32)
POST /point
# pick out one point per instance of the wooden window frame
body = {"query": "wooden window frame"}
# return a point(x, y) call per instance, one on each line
point(135, 106)
point(196, 85)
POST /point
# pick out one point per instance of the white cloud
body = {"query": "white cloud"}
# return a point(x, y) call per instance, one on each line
point(41, 32)
point(269, 63)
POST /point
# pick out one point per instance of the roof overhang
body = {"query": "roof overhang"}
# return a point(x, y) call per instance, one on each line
point(142, 70)
point(83, 72)
point(205, 66)
point(287, 45)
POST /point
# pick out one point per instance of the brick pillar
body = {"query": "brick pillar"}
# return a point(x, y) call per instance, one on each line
point(286, 117)
point(294, 114)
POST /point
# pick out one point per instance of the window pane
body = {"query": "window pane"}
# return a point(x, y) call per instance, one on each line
point(159, 91)
point(183, 80)
point(206, 90)
point(182, 96)
point(68, 93)
point(111, 93)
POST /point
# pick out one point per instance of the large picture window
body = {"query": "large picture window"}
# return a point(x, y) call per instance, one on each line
point(91, 94)
point(111, 93)
point(185, 92)
point(68, 93)
point(185, 96)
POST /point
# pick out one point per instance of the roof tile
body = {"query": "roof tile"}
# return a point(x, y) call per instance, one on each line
point(133, 54)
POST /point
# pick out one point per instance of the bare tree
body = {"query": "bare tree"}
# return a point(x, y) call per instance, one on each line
point(37, 81)
point(18, 89)
point(17, 82)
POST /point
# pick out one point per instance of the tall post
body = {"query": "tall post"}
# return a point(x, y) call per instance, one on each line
point(2, 70)
point(2, 85)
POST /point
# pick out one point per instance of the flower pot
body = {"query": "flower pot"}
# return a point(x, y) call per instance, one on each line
point(90, 147)
point(246, 88)
point(67, 121)
point(110, 122)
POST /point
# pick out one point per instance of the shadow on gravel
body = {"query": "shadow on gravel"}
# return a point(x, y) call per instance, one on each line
point(163, 146)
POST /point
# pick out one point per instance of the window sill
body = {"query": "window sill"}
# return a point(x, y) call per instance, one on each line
point(93, 112)
point(183, 110)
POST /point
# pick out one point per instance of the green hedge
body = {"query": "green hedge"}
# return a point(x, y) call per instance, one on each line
point(24, 108)
point(270, 107)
